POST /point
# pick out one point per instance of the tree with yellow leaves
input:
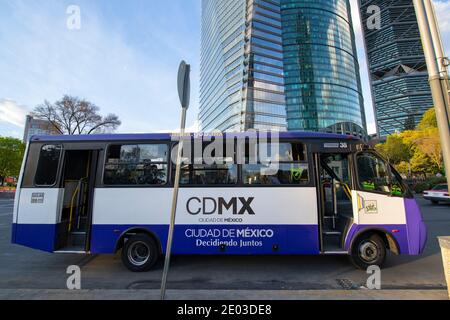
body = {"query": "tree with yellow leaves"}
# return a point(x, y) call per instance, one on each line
point(416, 151)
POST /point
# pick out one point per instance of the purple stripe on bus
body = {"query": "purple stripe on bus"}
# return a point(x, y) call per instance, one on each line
point(417, 231)
point(168, 136)
point(401, 235)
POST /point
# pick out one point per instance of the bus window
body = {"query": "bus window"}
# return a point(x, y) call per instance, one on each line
point(287, 174)
point(397, 188)
point(290, 162)
point(290, 152)
point(47, 168)
point(144, 164)
point(373, 173)
point(222, 171)
point(218, 174)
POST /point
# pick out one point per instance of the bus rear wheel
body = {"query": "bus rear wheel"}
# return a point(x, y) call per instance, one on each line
point(368, 250)
point(140, 253)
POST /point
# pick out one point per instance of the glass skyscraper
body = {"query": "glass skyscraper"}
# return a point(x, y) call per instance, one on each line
point(322, 80)
point(397, 66)
point(279, 64)
point(241, 84)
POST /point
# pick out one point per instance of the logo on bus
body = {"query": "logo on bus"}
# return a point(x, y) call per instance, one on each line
point(208, 206)
point(371, 207)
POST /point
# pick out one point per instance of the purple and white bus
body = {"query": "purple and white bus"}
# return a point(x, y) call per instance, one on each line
point(100, 194)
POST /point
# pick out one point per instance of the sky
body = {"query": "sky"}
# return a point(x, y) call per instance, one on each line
point(124, 58)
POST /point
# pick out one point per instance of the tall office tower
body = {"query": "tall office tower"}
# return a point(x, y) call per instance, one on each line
point(322, 80)
point(397, 65)
point(241, 76)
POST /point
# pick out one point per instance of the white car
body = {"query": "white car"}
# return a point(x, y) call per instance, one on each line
point(437, 194)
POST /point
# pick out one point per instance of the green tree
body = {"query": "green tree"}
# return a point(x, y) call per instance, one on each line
point(72, 115)
point(421, 164)
point(429, 120)
point(416, 151)
point(429, 144)
point(11, 154)
point(395, 149)
point(404, 168)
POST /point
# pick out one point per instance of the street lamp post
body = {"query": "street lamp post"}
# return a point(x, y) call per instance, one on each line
point(431, 45)
point(441, 59)
point(184, 88)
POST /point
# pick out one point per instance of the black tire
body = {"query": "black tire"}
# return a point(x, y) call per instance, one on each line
point(368, 250)
point(140, 253)
point(434, 202)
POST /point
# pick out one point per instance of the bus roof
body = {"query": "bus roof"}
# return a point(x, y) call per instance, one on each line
point(168, 136)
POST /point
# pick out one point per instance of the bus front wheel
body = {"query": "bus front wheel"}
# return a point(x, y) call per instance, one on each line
point(368, 250)
point(140, 253)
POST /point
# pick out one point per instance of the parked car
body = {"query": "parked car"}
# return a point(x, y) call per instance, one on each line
point(438, 194)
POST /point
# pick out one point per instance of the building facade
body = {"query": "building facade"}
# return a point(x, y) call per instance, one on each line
point(37, 127)
point(397, 65)
point(241, 83)
point(322, 80)
point(279, 64)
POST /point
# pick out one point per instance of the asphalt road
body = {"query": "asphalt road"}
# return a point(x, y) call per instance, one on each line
point(22, 268)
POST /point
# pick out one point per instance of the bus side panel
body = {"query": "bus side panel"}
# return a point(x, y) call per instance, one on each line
point(417, 230)
point(205, 240)
point(36, 236)
point(400, 236)
point(211, 220)
point(399, 217)
point(38, 211)
point(17, 195)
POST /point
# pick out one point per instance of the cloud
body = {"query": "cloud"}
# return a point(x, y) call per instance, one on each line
point(12, 113)
point(365, 81)
point(125, 68)
point(194, 128)
point(443, 15)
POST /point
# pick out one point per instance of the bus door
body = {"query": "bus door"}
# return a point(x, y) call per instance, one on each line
point(335, 199)
point(77, 183)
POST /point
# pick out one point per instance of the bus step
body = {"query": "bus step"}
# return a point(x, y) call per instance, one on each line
point(332, 233)
point(78, 238)
point(336, 252)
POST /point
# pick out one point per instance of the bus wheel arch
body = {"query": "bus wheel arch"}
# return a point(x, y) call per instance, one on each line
point(134, 231)
point(369, 247)
point(389, 240)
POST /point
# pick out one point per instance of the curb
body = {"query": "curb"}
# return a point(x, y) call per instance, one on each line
point(215, 295)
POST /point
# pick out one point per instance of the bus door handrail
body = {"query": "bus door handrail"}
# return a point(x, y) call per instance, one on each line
point(77, 191)
point(346, 188)
point(72, 206)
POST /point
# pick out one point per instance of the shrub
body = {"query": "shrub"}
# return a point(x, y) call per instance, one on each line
point(428, 184)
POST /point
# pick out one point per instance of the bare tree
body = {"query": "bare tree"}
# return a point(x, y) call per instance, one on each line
point(72, 115)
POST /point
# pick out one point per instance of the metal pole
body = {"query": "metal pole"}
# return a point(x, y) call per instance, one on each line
point(184, 89)
point(440, 97)
point(438, 49)
point(174, 204)
point(436, 36)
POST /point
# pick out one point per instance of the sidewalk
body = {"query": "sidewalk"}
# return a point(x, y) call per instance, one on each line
point(28, 294)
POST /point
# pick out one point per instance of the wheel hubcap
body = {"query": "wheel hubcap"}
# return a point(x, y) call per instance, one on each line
point(139, 253)
point(368, 251)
